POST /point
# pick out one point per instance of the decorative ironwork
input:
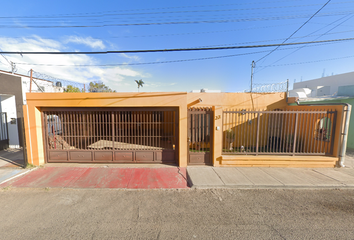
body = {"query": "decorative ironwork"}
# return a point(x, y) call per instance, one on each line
point(199, 135)
point(278, 132)
point(55, 80)
point(111, 134)
point(269, 87)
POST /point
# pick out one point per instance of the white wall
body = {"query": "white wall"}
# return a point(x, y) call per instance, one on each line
point(48, 87)
point(8, 105)
point(333, 82)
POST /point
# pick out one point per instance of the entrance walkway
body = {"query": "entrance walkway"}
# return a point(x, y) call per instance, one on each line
point(93, 177)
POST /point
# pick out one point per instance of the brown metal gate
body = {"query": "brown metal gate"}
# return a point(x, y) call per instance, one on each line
point(279, 132)
point(111, 135)
point(200, 125)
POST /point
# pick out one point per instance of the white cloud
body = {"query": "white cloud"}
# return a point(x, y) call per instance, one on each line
point(111, 76)
point(158, 84)
point(88, 41)
point(134, 57)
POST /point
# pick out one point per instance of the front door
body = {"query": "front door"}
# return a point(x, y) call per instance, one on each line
point(200, 136)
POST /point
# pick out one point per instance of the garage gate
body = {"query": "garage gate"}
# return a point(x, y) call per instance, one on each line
point(111, 135)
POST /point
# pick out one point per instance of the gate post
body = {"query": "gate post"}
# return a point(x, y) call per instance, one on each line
point(182, 136)
point(217, 135)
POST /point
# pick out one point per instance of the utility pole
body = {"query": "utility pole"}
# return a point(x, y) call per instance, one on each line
point(253, 66)
point(13, 67)
point(31, 81)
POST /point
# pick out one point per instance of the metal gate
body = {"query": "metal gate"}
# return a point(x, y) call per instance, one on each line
point(4, 134)
point(200, 136)
point(111, 135)
point(279, 132)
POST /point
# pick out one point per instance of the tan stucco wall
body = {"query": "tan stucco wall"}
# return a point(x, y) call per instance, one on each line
point(182, 100)
point(238, 100)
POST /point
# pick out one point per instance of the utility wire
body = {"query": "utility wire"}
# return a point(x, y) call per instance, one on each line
point(192, 33)
point(129, 64)
point(325, 33)
point(134, 11)
point(176, 22)
point(295, 31)
point(170, 17)
point(166, 35)
point(175, 49)
point(148, 63)
point(6, 59)
point(271, 40)
point(314, 61)
point(124, 13)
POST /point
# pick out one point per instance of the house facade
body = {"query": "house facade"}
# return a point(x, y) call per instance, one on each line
point(218, 129)
point(325, 86)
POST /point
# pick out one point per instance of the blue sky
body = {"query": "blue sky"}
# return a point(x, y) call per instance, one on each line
point(115, 25)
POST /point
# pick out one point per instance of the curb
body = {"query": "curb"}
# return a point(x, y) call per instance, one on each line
point(255, 187)
point(18, 175)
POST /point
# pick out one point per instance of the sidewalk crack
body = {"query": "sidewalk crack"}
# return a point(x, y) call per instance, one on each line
point(328, 176)
point(219, 176)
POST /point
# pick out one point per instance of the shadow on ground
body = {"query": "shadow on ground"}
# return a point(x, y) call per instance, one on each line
point(12, 157)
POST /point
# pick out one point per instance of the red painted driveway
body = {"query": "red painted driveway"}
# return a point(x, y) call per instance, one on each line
point(76, 177)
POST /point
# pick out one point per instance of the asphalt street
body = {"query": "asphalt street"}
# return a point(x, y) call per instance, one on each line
point(176, 214)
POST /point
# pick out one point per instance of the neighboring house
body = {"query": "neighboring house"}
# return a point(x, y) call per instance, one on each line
point(198, 128)
point(12, 98)
point(328, 90)
point(325, 86)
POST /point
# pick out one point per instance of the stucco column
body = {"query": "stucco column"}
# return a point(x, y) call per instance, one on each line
point(217, 132)
point(183, 115)
point(34, 135)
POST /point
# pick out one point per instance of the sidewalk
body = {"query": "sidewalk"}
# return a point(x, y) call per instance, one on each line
point(246, 178)
point(131, 176)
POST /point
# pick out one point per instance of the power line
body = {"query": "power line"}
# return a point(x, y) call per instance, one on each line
point(149, 63)
point(174, 7)
point(314, 61)
point(124, 13)
point(9, 62)
point(176, 22)
point(325, 33)
point(270, 40)
point(130, 64)
point(190, 33)
point(149, 18)
point(171, 34)
point(295, 31)
point(175, 49)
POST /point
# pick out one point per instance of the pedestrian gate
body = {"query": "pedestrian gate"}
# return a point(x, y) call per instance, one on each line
point(200, 136)
point(4, 134)
point(111, 135)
